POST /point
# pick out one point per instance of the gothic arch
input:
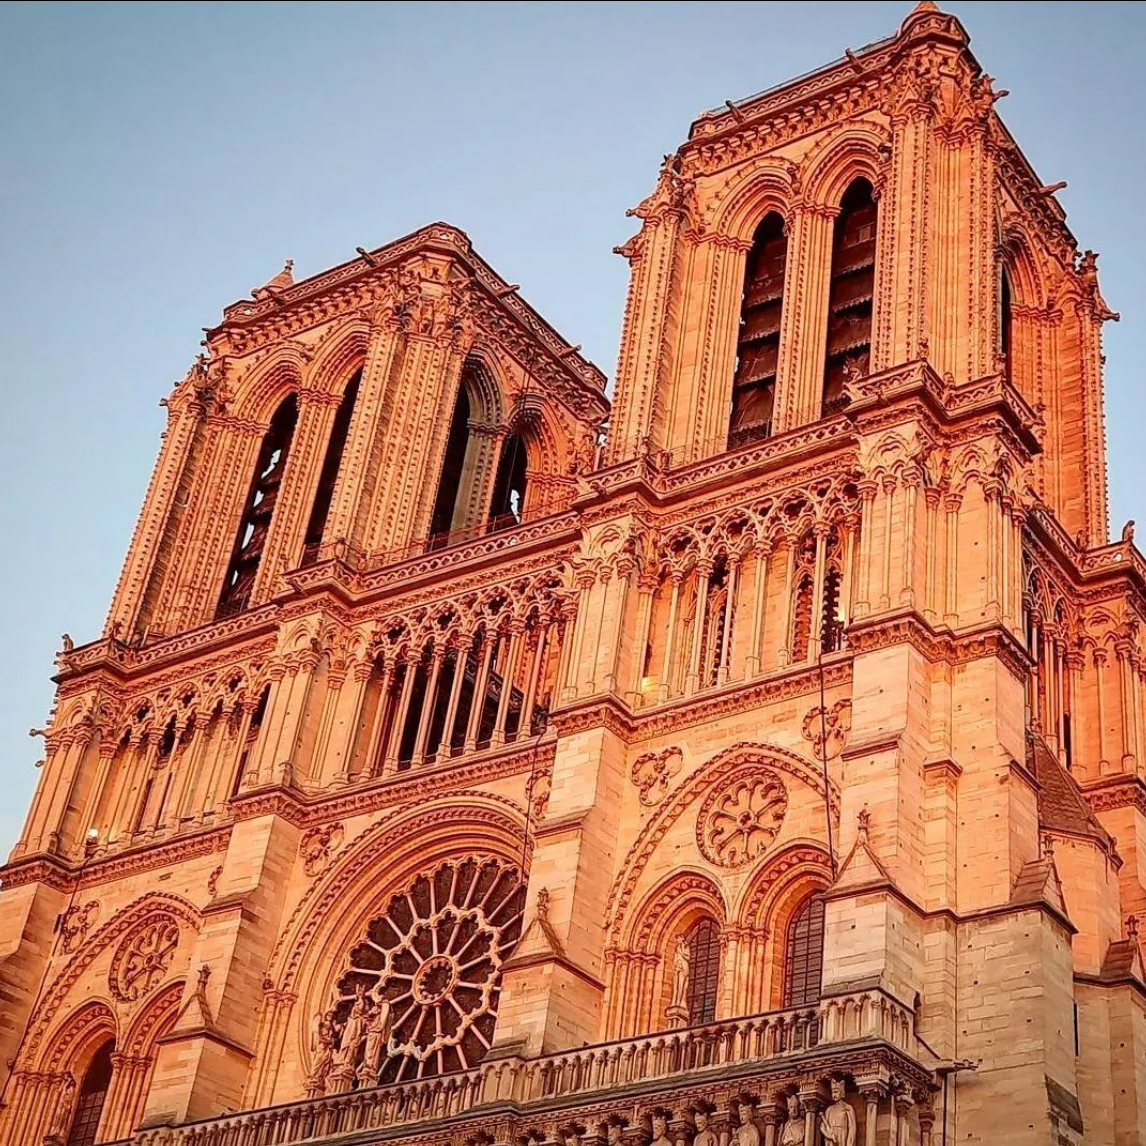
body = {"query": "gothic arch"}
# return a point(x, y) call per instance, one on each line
point(342, 352)
point(853, 152)
point(795, 869)
point(99, 941)
point(78, 1035)
point(675, 900)
point(153, 1020)
point(1028, 283)
point(706, 777)
point(411, 839)
point(267, 385)
point(749, 197)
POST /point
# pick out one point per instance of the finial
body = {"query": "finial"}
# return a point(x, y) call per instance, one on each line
point(1048, 846)
point(204, 975)
point(1132, 927)
point(863, 818)
point(543, 904)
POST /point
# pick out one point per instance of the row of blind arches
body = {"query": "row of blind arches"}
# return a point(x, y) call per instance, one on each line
point(803, 962)
point(504, 508)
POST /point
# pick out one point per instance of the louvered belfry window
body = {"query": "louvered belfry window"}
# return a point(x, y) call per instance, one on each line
point(851, 294)
point(758, 344)
point(259, 511)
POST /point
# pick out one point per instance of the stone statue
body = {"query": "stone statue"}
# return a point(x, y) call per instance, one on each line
point(838, 1122)
point(1128, 532)
point(613, 1132)
point(660, 1130)
point(704, 1133)
point(377, 1030)
point(681, 962)
point(793, 1132)
point(746, 1133)
point(353, 1033)
point(61, 1121)
point(322, 1053)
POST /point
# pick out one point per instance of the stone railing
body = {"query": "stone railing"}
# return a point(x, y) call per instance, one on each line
point(517, 1082)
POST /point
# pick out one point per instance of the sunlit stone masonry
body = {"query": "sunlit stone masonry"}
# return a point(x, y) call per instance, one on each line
point(756, 763)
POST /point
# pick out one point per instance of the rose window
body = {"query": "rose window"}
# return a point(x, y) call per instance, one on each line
point(740, 819)
point(434, 958)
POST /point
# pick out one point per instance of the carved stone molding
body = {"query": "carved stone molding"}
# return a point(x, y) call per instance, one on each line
point(828, 730)
point(76, 922)
point(653, 774)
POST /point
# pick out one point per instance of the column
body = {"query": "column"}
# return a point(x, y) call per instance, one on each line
point(847, 581)
point(481, 683)
point(867, 492)
point(442, 750)
point(951, 559)
point(1129, 721)
point(1099, 673)
point(786, 607)
point(729, 615)
point(912, 479)
point(703, 573)
point(646, 588)
point(763, 552)
point(815, 627)
point(427, 714)
point(507, 677)
point(394, 739)
point(889, 486)
point(931, 497)
point(539, 642)
point(671, 637)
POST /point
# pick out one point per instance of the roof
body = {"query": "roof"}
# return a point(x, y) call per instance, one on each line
point(1062, 806)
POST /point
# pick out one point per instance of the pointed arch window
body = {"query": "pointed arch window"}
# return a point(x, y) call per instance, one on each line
point(1006, 322)
point(509, 486)
point(331, 464)
point(758, 343)
point(804, 958)
point(450, 481)
point(258, 513)
point(91, 1098)
point(704, 970)
point(850, 295)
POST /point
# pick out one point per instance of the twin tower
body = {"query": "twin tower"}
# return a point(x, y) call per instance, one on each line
point(760, 759)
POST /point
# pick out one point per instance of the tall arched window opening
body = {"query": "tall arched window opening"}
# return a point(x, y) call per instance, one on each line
point(1006, 323)
point(91, 1098)
point(804, 958)
point(450, 483)
point(850, 295)
point(251, 539)
point(803, 606)
point(758, 344)
point(718, 620)
point(509, 486)
point(320, 510)
point(704, 970)
point(832, 620)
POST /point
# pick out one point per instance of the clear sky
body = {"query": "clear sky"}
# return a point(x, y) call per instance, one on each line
point(159, 160)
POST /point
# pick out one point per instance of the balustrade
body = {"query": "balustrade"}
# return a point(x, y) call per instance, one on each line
point(871, 1016)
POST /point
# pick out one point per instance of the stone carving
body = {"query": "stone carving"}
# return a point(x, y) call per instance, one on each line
point(747, 1133)
point(317, 845)
point(741, 818)
point(677, 1012)
point(350, 1042)
point(374, 1044)
point(213, 881)
point(660, 1120)
point(60, 1123)
point(322, 1047)
point(143, 957)
point(838, 1122)
point(792, 1133)
point(828, 732)
point(76, 923)
point(704, 1133)
point(653, 773)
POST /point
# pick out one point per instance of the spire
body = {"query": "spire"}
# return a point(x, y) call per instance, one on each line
point(280, 282)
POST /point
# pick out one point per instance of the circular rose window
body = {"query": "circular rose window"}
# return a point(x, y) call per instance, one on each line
point(425, 978)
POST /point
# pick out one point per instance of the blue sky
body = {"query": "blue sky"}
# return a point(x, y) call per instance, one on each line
point(159, 160)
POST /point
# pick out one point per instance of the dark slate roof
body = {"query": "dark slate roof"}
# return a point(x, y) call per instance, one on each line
point(1062, 806)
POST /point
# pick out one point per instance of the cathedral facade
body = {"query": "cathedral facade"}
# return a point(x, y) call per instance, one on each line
point(756, 762)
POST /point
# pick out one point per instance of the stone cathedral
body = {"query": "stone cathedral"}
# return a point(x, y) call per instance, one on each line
point(756, 761)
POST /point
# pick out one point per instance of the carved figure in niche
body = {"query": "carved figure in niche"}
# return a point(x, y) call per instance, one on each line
point(704, 1133)
point(354, 1033)
point(792, 1133)
point(660, 1129)
point(747, 1133)
point(377, 1031)
point(682, 965)
point(322, 1053)
point(838, 1122)
point(61, 1121)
